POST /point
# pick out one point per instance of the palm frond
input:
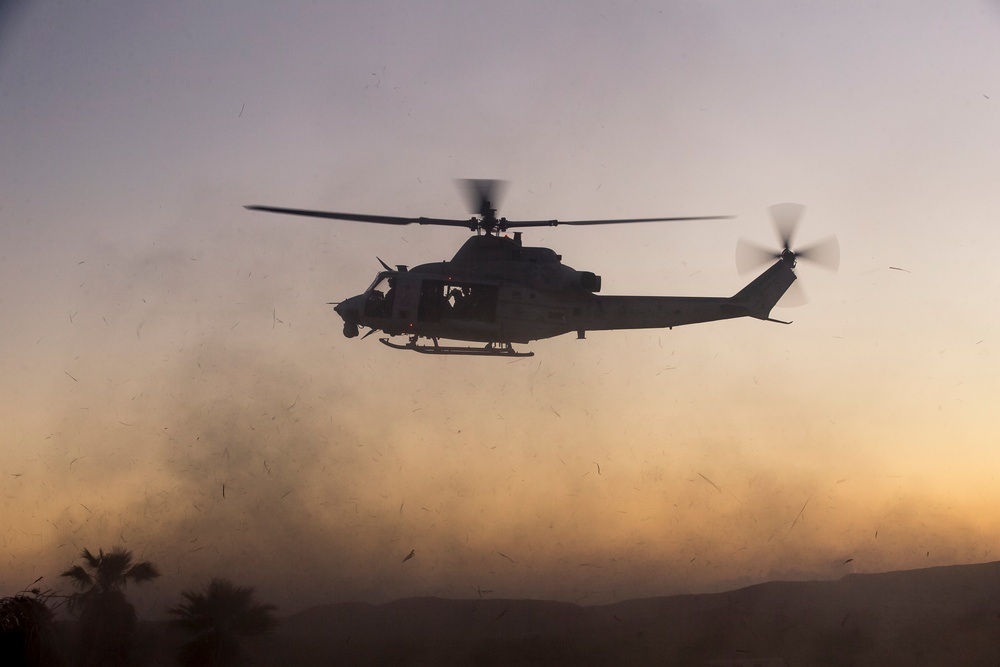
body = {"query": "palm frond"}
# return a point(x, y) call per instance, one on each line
point(91, 559)
point(81, 578)
point(110, 571)
point(112, 568)
point(140, 572)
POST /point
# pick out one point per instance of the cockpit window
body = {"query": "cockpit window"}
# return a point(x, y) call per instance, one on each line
point(380, 296)
point(380, 283)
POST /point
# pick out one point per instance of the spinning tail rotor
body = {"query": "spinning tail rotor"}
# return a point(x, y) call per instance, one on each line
point(786, 218)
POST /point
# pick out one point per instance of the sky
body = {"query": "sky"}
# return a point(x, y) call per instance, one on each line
point(160, 344)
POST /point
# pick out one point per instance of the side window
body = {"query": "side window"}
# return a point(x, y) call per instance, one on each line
point(469, 301)
point(432, 301)
point(441, 300)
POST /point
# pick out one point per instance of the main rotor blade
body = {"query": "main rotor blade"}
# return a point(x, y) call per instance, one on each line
point(556, 223)
point(786, 218)
point(750, 256)
point(360, 217)
point(483, 195)
point(470, 223)
point(826, 253)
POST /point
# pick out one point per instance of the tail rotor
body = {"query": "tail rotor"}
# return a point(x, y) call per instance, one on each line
point(786, 218)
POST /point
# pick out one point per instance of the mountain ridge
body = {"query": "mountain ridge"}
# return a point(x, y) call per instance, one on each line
point(928, 616)
point(938, 615)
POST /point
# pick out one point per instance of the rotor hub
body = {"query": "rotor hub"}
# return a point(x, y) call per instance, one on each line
point(788, 257)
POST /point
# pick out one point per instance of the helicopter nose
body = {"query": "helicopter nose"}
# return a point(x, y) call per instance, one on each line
point(350, 311)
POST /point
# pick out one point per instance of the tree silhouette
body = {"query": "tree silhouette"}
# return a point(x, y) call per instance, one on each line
point(107, 619)
point(218, 617)
point(27, 636)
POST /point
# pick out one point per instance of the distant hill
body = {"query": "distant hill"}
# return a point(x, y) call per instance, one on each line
point(936, 616)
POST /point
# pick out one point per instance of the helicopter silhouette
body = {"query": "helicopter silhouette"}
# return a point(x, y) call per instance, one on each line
point(497, 291)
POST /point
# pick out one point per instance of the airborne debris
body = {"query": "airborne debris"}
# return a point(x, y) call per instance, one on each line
point(799, 515)
point(410, 555)
point(714, 485)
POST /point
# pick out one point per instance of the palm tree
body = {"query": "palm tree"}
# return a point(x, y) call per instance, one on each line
point(107, 619)
point(218, 617)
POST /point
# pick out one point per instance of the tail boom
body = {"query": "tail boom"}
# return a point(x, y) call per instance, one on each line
point(657, 312)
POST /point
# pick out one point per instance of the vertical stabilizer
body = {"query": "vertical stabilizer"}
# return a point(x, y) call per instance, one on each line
point(759, 297)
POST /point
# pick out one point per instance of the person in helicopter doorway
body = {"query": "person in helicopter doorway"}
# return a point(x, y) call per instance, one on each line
point(459, 302)
point(390, 297)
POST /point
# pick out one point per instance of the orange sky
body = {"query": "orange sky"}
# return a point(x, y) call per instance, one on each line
point(581, 484)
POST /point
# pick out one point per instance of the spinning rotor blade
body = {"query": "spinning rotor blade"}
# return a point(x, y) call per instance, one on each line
point(795, 296)
point(556, 223)
point(786, 217)
point(360, 217)
point(750, 256)
point(483, 195)
point(786, 220)
point(826, 253)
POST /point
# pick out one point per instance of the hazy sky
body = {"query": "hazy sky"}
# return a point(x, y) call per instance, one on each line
point(159, 341)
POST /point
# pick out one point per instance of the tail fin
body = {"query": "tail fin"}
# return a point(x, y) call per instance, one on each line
point(759, 297)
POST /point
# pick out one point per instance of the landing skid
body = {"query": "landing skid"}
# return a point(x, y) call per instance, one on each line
point(489, 350)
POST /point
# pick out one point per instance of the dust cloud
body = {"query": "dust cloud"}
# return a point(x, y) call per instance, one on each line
point(198, 406)
point(317, 493)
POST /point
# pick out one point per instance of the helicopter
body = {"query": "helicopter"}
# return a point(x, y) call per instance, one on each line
point(496, 291)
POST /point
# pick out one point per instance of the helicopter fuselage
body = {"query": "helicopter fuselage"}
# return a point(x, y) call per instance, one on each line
point(496, 291)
